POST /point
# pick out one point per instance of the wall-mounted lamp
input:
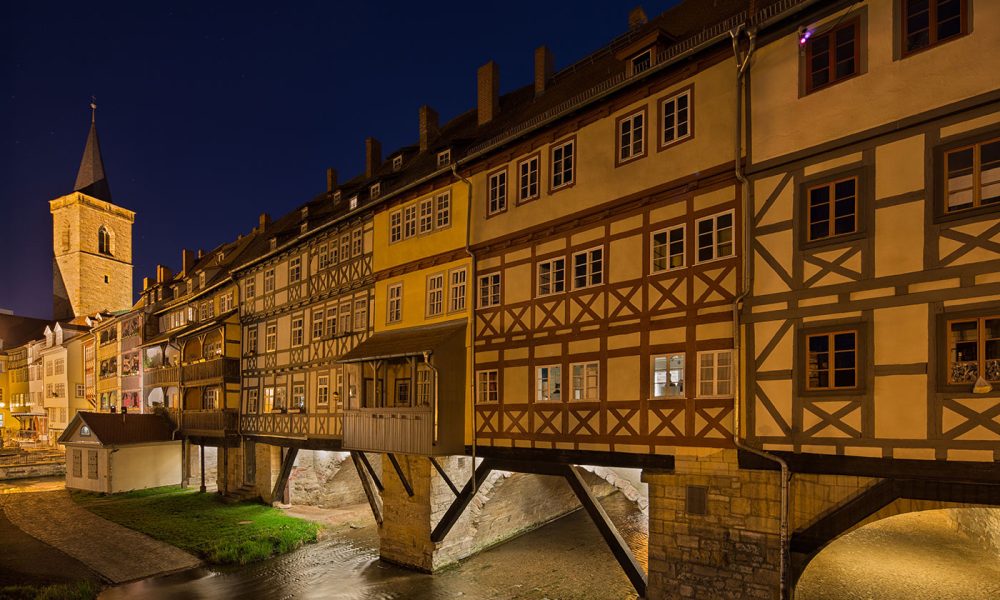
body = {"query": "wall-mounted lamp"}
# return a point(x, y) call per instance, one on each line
point(804, 34)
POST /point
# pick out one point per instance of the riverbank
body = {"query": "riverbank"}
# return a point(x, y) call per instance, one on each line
point(202, 524)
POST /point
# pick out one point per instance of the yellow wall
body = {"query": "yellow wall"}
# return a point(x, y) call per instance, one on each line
point(415, 297)
point(386, 255)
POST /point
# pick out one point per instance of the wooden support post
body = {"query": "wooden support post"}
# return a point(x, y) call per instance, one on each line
point(461, 502)
point(201, 448)
point(444, 476)
point(283, 474)
point(374, 500)
point(371, 471)
point(633, 570)
point(224, 489)
point(402, 477)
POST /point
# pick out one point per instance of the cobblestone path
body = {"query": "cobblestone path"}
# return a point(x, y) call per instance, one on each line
point(117, 553)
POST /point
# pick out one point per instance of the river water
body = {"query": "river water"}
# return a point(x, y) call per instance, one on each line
point(564, 559)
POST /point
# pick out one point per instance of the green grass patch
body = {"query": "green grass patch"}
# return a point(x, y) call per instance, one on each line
point(202, 524)
point(80, 590)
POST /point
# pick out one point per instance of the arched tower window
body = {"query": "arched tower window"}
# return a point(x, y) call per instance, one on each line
point(104, 240)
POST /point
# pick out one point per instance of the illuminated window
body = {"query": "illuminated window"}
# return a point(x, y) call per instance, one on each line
point(668, 376)
point(563, 165)
point(269, 399)
point(585, 381)
point(715, 374)
point(487, 386)
point(974, 350)
point(833, 56)
point(548, 384)
point(211, 400)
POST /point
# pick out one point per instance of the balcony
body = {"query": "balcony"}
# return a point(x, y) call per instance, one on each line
point(408, 431)
point(218, 369)
point(209, 422)
point(161, 376)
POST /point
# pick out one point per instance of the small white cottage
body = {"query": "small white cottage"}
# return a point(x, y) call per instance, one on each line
point(114, 453)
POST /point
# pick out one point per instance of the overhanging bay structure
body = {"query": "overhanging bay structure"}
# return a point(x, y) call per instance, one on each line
point(748, 249)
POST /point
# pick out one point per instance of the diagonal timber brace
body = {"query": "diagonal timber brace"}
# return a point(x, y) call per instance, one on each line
point(454, 490)
point(402, 477)
point(461, 501)
point(370, 483)
point(286, 470)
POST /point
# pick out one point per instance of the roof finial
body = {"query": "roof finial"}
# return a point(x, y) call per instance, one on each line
point(93, 108)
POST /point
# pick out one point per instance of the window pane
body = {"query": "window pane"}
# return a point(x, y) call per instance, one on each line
point(989, 174)
point(844, 379)
point(959, 169)
point(949, 18)
point(843, 341)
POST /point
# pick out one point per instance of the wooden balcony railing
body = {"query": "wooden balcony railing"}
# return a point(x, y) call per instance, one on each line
point(408, 431)
point(226, 369)
point(209, 422)
point(161, 376)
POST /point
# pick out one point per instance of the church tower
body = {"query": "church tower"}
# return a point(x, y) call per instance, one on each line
point(91, 242)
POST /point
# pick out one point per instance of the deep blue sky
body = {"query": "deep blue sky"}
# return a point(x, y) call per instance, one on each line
point(211, 114)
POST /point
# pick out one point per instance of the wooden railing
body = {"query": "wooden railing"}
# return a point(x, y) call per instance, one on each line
point(408, 431)
point(219, 368)
point(161, 376)
point(209, 421)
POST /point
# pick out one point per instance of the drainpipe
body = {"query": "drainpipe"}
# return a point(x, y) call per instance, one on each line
point(427, 361)
point(742, 68)
point(470, 370)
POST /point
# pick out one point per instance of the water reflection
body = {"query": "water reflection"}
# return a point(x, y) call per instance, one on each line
point(565, 559)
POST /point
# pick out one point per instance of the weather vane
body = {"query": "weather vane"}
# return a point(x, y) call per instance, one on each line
point(93, 108)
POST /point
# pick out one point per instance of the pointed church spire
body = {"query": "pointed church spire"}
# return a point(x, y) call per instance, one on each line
point(91, 179)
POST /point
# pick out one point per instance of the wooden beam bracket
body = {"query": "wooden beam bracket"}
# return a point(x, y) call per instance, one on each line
point(461, 501)
point(284, 473)
point(367, 483)
point(402, 477)
point(444, 476)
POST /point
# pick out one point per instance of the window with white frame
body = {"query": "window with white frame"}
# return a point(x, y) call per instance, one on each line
point(354, 202)
point(668, 249)
point(252, 339)
point(201, 280)
point(425, 385)
point(375, 190)
point(269, 399)
point(251, 288)
point(395, 226)
point(344, 318)
point(269, 280)
point(331, 321)
point(563, 164)
point(715, 374)
point(317, 324)
point(409, 221)
point(397, 162)
point(323, 390)
point(333, 253)
point(487, 386)
point(80, 391)
point(715, 236)
point(426, 216)
point(552, 276)
point(357, 242)
point(585, 381)
point(668, 376)
point(271, 337)
point(675, 114)
point(497, 192)
point(632, 136)
point(442, 208)
point(435, 294)
point(641, 61)
point(394, 307)
point(322, 256)
point(226, 302)
point(444, 158)
point(456, 290)
point(345, 246)
point(548, 384)
point(361, 314)
point(252, 399)
point(527, 179)
point(489, 290)
point(295, 270)
point(588, 268)
point(299, 397)
point(297, 331)
point(211, 401)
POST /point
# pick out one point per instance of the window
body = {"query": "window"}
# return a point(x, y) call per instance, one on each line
point(375, 190)
point(205, 311)
point(269, 399)
point(527, 179)
point(974, 350)
point(676, 118)
point(295, 270)
point(211, 401)
point(271, 337)
point(641, 62)
point(78, 458)
point(252, 339)
point(323, 256)
point(299, 397)
point(226, 302)
point(668, 376)
point(831, 361)
point(395, 226)
point(715, 374)
point(588, 268)
point(357, 242)
point(972, 176)
point(497, 193)
point(487, 386)
point(435, 294)
point(297, 333)
point(715, 237)
point(268, 280)
point(279, 398)
point(426, 215)
point(251, 288)
point(397, 162)
point(252, 398)
point(323, 390)
point(317, 324)
point(668, 249)
point(425, 386)
point(410, 221)
point(345, 246)
point(354, 202)
point(80, 391)
point(333, 252)
point(456, 290)
point(104, 241)
point(585, 381)
point(489, 290)
point(442, 206)
point(832, 209)
point(402, 397)
point(201, 280)
point(833, 56)
point(444, 158)
point(552, 277)
point(394, 307)
point(548, 384)
point(563, 161)
point(632, 137)
point(926, 23)
point(361, 314)
point(92, 464)
point(48, 368)
point(344, 326)
point(331, 321)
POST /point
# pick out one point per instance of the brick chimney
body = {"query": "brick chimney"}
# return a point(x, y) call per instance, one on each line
point(373, 156)
point(263, 222)
point(187, 261)
point(145, 283)
point(163, 274)
point(331, 179)
point(543, 69)
point(637, 17)
point(488, 87)
point(428, 127)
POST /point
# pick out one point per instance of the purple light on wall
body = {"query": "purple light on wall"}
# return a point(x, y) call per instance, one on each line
point(804, 37)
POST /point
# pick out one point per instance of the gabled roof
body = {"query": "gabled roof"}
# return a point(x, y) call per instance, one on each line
point(121, 429)
point(90, 179)
point(15, 330)
point(404, 342)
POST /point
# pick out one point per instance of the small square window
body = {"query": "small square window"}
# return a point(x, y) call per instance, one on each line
point(397, 162)
point(375, 191)
point(444, 158)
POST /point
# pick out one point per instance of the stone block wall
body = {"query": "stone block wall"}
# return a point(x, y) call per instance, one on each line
point(327, 479)
point(212, 456)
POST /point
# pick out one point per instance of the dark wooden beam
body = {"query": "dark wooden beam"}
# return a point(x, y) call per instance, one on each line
point(619, 547)
point(371, 471)
point(286, 470)
point(664, 462)
point(461, 501)
point(374, 500)
point(402, 477)
point(202, 488)
point(332, 445)
point(843, 517)
point(896, 468)
point(444, 476)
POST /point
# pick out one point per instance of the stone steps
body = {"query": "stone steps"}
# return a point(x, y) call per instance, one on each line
point(245, 493)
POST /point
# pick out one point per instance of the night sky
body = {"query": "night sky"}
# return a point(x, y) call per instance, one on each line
point(210, 115)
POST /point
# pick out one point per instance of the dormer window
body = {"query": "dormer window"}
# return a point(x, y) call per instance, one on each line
point(304, 227)
point(273, 243)
point(85, 431)
point(190, 286)
point(354, 202)
point(201, 279)
point(375, 190)
point(444, 158)
point(641, 61)
point(305, 212)
point(220, 257)
point(397, 162)
point(336, 196)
